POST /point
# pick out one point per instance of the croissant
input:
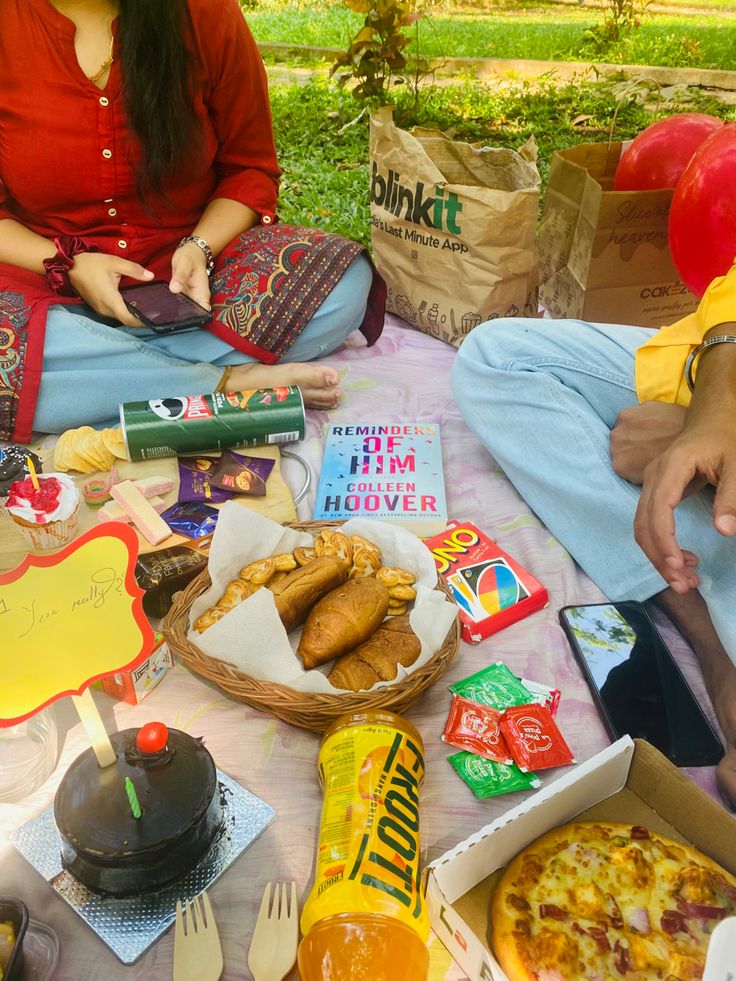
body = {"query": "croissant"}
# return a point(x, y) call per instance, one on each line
point(377, 659)
point(343, 619)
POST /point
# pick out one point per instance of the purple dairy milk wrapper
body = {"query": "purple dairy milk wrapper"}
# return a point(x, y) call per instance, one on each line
point(194, 480)
point(239, 474)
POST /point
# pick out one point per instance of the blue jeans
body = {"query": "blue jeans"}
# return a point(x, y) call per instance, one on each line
point(91, 364)
point(543, 396)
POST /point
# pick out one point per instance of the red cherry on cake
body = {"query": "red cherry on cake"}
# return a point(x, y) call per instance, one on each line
point(152, 738)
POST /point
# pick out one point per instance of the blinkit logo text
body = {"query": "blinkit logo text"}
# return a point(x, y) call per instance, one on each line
point(439, 211)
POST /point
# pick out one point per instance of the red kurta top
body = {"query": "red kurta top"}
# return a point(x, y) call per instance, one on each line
point(67, 163)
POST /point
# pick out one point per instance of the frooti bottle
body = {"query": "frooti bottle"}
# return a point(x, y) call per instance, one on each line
point(365, 918)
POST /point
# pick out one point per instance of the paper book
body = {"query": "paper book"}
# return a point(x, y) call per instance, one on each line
point(391, 472)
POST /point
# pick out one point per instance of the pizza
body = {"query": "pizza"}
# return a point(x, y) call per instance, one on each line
point(598, 901)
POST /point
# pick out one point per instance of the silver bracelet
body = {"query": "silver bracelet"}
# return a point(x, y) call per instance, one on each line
point(197, 240)
point(710, 342)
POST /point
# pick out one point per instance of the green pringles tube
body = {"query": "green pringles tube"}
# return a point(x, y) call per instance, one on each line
point(191, 423)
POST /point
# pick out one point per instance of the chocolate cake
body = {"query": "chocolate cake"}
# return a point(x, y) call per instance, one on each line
point(14, 465)
point(104, 845)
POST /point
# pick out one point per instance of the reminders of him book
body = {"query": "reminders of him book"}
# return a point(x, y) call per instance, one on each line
point(392, 472)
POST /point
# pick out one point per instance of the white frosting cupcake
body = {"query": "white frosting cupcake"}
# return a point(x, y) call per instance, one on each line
point(46, 517)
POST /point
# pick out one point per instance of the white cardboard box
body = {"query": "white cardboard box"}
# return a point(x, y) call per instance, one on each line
point(628, 781)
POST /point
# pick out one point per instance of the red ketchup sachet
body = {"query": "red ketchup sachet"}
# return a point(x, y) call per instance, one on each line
point(533, 738)
point(475, 728)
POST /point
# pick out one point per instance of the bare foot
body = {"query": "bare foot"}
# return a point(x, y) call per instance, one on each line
point(690, 613)
point(318, 383)
point(725, 706)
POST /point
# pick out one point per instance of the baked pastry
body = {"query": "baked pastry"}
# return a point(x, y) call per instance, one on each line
point(259, 573)
point(377, 659)
point(304, 554)
point(237, 590)
point(343, 619)
point(330, 542)
point(366, 557)
point(298, 591)
point(400, 590)
point(607, 900)
point(111, 851)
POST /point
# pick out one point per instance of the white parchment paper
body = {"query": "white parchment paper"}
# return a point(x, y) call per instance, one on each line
point(251, 636)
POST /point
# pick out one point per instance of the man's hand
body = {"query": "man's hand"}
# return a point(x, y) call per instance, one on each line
point(189, 274)
point(96, 277)
point(641, 434)
point(705, 450)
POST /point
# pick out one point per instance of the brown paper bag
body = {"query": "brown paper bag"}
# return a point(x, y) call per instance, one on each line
point(453, 228)
point(604, 255)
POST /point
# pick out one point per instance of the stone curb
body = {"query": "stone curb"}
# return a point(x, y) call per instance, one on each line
point(514, 68)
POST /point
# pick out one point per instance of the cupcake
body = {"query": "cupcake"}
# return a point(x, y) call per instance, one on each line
point(47, 516)
point(14, 466)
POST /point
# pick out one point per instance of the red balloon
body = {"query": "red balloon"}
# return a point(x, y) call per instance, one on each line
point(702, 223)
point(658, 156)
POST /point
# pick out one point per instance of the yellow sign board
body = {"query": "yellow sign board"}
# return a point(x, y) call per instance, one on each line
point(68, 619)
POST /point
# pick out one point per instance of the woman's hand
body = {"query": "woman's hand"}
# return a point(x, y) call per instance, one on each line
point(641, 434)
point(705, 451)
point(189, 274)
point(96, 277)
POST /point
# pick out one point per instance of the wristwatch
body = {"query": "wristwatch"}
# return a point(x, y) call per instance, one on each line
point(198, 240)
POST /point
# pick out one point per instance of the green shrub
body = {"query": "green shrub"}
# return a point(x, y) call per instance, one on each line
point(376, 56)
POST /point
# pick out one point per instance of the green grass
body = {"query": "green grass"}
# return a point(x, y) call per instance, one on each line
point(552, 33)
point(323, 139)
point(323, 145)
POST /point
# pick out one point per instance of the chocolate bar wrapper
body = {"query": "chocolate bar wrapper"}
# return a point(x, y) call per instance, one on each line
point(195, 480)
point(239, 474)
point(191, 519)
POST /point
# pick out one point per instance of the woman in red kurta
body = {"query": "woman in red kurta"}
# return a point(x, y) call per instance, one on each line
point(136, 143)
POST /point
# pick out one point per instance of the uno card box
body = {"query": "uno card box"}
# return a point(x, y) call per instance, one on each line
point(490, 589)
point(133, 686)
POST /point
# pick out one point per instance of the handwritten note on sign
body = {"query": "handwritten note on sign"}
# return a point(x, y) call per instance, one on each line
point(68, 619)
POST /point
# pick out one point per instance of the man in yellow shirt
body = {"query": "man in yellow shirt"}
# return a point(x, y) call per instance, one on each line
point(597, 427)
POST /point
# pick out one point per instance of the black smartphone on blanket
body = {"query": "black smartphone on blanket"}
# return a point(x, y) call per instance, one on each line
point(161, 310)
point(637, 684)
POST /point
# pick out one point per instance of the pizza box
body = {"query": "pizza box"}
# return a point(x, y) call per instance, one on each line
point(628, 781)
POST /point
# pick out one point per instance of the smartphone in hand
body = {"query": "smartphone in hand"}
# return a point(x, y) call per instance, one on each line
point(637, 684)
point(163, 311)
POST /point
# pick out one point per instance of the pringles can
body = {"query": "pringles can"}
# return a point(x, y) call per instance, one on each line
point(190, 423)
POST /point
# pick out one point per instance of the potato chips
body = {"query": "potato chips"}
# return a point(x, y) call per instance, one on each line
point(87, 450)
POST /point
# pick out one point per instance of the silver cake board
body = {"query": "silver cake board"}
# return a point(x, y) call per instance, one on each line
point(130, 925)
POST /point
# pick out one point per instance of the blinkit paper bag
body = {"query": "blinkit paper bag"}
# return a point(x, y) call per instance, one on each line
point(604, 255)
point(453, 228)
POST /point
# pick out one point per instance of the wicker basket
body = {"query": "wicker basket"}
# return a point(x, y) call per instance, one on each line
point(310, 710)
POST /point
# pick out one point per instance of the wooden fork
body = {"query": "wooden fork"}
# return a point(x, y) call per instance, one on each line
point(197, 950)
point(273, 948)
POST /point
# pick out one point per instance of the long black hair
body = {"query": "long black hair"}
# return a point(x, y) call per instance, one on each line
point(158, 78)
